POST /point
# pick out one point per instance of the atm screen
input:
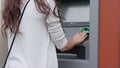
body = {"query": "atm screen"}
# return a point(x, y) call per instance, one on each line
point(75, 10)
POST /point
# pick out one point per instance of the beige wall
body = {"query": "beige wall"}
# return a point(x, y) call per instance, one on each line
point(3, 42)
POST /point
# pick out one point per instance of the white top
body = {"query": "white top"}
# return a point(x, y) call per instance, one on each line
point(34, 47)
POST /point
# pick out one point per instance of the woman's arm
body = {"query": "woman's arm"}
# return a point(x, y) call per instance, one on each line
point(57, 34)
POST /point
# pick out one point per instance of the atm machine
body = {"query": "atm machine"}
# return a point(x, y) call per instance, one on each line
point(80, 15)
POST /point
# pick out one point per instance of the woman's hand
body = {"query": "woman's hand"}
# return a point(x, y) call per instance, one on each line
point(77, 38)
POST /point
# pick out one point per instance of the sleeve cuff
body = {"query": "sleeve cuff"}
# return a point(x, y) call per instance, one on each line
point(60, 44)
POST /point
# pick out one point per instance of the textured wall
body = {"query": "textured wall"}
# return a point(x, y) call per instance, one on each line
point(3, 42)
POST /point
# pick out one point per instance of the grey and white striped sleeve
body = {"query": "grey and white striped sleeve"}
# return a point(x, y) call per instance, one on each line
point(55, 29)
point(57, 34)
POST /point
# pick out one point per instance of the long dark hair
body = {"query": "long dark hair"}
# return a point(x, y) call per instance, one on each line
point(12, 11)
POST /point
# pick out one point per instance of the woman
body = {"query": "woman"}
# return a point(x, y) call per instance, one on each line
point(40, 30)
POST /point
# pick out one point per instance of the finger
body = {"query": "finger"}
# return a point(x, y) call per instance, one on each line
point(83, 34)
point(83, 38)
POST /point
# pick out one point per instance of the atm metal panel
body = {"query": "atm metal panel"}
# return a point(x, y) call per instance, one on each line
point(90, 44)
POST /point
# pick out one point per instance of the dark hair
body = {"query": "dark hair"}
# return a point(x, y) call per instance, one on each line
point(12, 12)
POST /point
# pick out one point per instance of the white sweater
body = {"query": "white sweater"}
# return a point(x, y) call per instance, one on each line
point(35, 47)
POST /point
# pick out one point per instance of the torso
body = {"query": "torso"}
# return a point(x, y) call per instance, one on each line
point(33, 48)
